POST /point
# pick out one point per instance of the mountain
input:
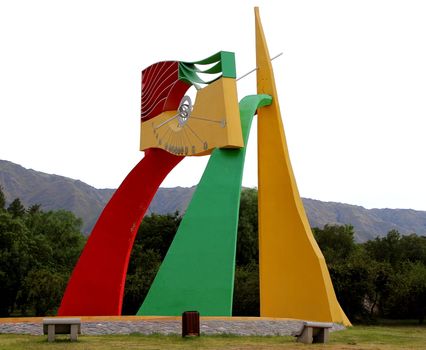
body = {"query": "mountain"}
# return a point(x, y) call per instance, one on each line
point(57, 192)
point(53, 192)
point(368, 223)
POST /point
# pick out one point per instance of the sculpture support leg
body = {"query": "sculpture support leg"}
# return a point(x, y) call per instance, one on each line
point(96, 286)
point(294, 279)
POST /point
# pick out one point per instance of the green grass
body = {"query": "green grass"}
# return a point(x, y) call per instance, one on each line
point(382, 337)
point(355, 338)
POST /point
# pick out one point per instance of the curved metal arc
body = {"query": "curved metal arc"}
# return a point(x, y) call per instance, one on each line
point(96, 286)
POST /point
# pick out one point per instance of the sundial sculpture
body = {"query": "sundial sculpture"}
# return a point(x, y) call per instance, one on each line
point(198, 270)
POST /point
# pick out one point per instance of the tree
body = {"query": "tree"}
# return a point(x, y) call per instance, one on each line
point(139, 279)
point(246, 282)
point(386, 249)
point(61, 230)
point(55, 245)
point(416, 277)
point(42, 291)
point(16, 208)
point(156, 232)
point(14, 259)
point(352, 283)
point(336, 242)
point(2, 199)
point(408, 297)
point(413, 248)
point(397, 249)
point(34, 209)
point(380, 277)
point(360, 282)
point(38, 251)
point(152, 242)
point(247, 241)
point(246, 291)
point(397, 266)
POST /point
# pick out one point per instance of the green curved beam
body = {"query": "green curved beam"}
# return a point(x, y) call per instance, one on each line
point(198, 270)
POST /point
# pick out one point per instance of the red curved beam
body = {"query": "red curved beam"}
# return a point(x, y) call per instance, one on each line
point(96, 286)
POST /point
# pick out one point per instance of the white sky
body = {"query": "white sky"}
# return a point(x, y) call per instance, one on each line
point(352, 86)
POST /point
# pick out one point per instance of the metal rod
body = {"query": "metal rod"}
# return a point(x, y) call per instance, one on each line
point(255, 69)
point(243, 76)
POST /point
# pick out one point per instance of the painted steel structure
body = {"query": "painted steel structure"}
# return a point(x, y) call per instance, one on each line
point(198, 271)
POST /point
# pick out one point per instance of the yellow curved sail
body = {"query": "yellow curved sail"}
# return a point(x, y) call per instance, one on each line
point(294, 279)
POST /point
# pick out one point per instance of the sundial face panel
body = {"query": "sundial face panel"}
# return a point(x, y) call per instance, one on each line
point(170, 120)
point(213, 122)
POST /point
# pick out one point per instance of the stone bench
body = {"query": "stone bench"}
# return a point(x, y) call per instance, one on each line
point(314, 332)
point(53, 326)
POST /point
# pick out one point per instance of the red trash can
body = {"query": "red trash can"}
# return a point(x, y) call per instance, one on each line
point(190, 324)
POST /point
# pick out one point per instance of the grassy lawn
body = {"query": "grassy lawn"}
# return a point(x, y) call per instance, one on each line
point(358, 337)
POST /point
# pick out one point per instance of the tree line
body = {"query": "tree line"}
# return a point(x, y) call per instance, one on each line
point(38, 251)
point(381, 278)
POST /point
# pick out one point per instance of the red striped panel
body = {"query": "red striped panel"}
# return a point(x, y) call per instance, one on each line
point(161, 89)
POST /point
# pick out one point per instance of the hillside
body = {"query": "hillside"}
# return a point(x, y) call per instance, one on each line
point(53, 192)
point(368, 223)
point(57, 192)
